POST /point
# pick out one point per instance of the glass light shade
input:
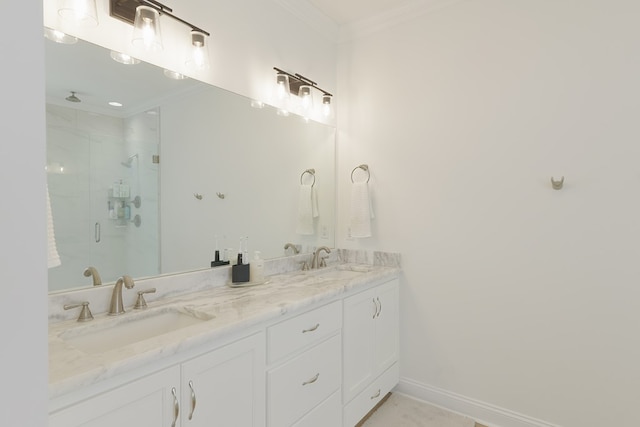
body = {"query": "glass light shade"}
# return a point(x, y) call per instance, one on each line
point(326, 105)
point(59, 36)
point(306, 99)
point(199, 54)
point(282, 86)
point(81, 12)
point(123, 58)
point(174, 75)
point(146, 29)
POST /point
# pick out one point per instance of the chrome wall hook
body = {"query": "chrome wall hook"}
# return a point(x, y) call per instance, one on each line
point(198, 196)
point(220, 195)
point(557, 185)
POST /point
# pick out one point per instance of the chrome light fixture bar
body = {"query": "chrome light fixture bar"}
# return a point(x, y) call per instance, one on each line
point(297, 80)
point(125, 10)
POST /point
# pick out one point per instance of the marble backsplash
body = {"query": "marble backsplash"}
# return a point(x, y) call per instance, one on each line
point(178, 284)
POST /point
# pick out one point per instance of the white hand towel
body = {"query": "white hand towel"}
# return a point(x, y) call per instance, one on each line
point(361, 210)
point(53, 259)
point(307, 210)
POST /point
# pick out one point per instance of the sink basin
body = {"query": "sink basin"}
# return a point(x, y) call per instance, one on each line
point(127, 329)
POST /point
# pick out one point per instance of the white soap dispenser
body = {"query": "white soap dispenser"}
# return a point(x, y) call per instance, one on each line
point(257, 268)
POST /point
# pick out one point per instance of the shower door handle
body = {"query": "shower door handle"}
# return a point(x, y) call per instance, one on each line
point(97, 232)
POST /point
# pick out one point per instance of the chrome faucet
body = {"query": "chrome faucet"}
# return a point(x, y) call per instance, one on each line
point(292, 246)
point(117, 307)
point(316, 255)
point(93, 273)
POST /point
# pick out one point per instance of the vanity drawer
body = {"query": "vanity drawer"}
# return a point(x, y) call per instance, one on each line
point(327, 414)
point(370, 396)
point(302, 383)
point(308, 328)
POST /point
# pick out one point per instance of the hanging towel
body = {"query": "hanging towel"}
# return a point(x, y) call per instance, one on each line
point(53, 259)
point(307, 209)
point(361, 210)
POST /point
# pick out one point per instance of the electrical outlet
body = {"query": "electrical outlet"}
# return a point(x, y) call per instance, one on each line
point(349, 236)
point(323, 232)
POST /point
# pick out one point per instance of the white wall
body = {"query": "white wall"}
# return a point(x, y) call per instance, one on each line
point(23, 274)
point(513, 294)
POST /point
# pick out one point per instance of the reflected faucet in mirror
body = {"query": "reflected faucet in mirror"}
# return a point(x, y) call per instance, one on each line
point(93, 273)
point(116, 306)
point(295, 249)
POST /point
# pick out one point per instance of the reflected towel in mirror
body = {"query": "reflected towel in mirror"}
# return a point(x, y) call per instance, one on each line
point(53, 259)
point(307, 209)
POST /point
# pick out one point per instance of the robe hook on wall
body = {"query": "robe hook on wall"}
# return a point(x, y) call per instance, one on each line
point(220, 195)
point(198, 196)
point(557, 185)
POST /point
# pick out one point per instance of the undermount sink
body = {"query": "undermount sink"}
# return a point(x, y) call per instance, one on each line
point(127, 329)
point(342, 272)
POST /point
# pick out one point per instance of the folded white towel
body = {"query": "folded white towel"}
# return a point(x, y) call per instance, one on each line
point(307, 209)
point(53, 259)
point(361, 210)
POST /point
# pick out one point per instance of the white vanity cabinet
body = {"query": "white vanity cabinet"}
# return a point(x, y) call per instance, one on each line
point(304, 375)
point(148, 402)
point(225, 385)
point(370, 349)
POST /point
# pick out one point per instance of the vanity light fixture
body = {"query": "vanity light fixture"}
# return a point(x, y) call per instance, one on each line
point(146, 29)
point(199, 54)
point(145, 17)
point(123, 58)
point(301, 86)
point(59, 36)
point(81, 12)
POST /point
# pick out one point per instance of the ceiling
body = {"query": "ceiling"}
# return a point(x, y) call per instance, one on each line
point(347, 11)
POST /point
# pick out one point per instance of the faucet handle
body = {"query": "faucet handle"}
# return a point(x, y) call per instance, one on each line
point(323, 261)
point(85, 313)
point(305, 265)
point(140, 302)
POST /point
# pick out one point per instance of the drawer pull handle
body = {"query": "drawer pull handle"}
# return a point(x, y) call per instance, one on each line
point(375, 307)
point(311, 329)
point(380, 309)
point(176, 407)
point(375, 396)
point(312, 380)
point(193, 400)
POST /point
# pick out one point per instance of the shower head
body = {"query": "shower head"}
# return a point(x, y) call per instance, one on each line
point(73, 97)
point(127, 163)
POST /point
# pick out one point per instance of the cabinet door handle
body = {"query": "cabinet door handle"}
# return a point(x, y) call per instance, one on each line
point(375, 307)
point(193, 400)
point(176, 407)
point(97, 232)
point(375, 396)
point(312, 380)
point(311, 329)
point(380, 309)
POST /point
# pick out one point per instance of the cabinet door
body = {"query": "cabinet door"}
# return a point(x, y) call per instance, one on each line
point(149, 402)
point(226, 387)
point(358, 342)
point(386, 325)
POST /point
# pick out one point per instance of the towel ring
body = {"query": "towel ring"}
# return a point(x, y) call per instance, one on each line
point(364, 168)
point(311, 172)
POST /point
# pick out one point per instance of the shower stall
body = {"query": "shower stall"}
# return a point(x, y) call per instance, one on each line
point(104, 194)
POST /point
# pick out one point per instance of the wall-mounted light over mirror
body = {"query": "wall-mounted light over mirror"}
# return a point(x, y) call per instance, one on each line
point(171, 139)
point(288, 84)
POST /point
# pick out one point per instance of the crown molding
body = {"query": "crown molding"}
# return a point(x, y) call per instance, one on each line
point(397, 16)
point(311, 16)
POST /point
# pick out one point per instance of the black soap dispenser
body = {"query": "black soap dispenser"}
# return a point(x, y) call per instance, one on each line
point(240, 271)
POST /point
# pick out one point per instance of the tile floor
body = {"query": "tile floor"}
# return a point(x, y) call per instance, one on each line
point(403, 411)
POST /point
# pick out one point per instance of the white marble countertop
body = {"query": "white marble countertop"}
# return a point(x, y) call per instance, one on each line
point(228, 310)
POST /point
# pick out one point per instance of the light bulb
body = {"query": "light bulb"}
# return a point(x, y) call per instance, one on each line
point(146, 29)
point(326, 105)
point(199, 55)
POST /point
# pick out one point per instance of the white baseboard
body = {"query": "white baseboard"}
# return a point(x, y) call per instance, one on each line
point(481, 412)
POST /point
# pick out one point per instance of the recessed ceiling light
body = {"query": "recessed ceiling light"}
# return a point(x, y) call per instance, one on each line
point(115, 104)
